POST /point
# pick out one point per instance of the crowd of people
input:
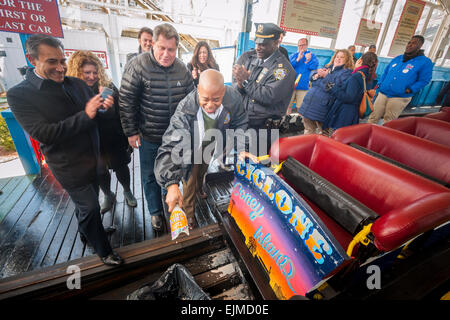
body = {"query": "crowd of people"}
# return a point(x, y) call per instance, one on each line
point(166, 109)
point(334, 92)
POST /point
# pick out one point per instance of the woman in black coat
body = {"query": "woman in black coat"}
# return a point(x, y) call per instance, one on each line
point(114, 149)
point(345, 110)
point(202, 59)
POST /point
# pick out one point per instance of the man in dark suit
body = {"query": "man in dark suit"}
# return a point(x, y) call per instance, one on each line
point(60, 113)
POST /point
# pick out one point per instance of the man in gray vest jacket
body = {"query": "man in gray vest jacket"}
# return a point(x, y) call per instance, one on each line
point(200, 127)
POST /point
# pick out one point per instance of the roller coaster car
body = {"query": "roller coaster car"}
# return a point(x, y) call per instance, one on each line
point(330, 210)
point(441, 115)
point(426, 128)
point(421, 156)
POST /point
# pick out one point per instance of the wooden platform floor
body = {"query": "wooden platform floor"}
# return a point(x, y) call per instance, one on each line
point(38, 227)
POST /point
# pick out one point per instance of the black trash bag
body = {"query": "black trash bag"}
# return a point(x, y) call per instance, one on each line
point(176, 283)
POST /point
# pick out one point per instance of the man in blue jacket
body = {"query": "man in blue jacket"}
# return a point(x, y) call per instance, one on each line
point(406, 75)
point(303, 61)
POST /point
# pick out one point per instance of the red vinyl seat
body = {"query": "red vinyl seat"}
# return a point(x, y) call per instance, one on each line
point(426, 156)
point(407, 204)
point(442, 115)
point(427, 128)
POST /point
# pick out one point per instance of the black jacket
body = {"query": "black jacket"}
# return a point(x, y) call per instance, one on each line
point(114, 146)
point(182, 135)
point(149, 95)
point(53, 114)
point(270, 85)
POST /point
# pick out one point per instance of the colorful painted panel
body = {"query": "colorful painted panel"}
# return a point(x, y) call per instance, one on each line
point(295, 247)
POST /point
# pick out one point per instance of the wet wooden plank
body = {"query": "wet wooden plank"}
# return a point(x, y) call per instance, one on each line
point(209, 261)
point(218, 279)
point(79, 248)
point(116, 217)
point(18, 230)
point(4, 182)
point(69, 241)
point(136, 188)
point(128, 231)
point(50, 233)
point(25, 248)
point(8, 200)
point(9, 187)
point(17, 210)
point(107, 216)
point(129, 214)
point(58, 239)
point(142, 203)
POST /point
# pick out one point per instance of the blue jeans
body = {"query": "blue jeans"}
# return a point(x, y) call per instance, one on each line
point(147, 156)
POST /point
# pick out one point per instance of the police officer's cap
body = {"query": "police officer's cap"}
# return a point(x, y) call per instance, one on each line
point(267, 31)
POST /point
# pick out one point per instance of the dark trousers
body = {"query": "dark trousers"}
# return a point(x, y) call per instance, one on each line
point(263, 141)
point(90, 224)
point(122, 174)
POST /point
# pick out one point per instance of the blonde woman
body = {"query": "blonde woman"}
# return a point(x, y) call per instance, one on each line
point(345, 110)
point(317, 101)
point(114, 149)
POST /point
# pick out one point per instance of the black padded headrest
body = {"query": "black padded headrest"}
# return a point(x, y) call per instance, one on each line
point(348, 212)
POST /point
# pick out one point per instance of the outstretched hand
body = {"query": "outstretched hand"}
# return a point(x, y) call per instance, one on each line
point(245, 154)
point(240, 73)
point(174, 197)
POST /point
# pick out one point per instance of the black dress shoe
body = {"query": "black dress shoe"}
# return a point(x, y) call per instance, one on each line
point(113, 259)
point(130, 199)
point(157, 223)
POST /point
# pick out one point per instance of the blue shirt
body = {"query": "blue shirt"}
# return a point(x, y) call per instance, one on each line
point(414, 74)
point(304, 68)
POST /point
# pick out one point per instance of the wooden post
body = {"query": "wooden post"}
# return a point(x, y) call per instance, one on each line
point(386, 26)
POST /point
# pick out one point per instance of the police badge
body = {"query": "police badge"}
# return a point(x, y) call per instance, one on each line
point(280, 73)
point(227, 118)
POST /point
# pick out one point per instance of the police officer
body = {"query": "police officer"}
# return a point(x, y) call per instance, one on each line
point(265, 78)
